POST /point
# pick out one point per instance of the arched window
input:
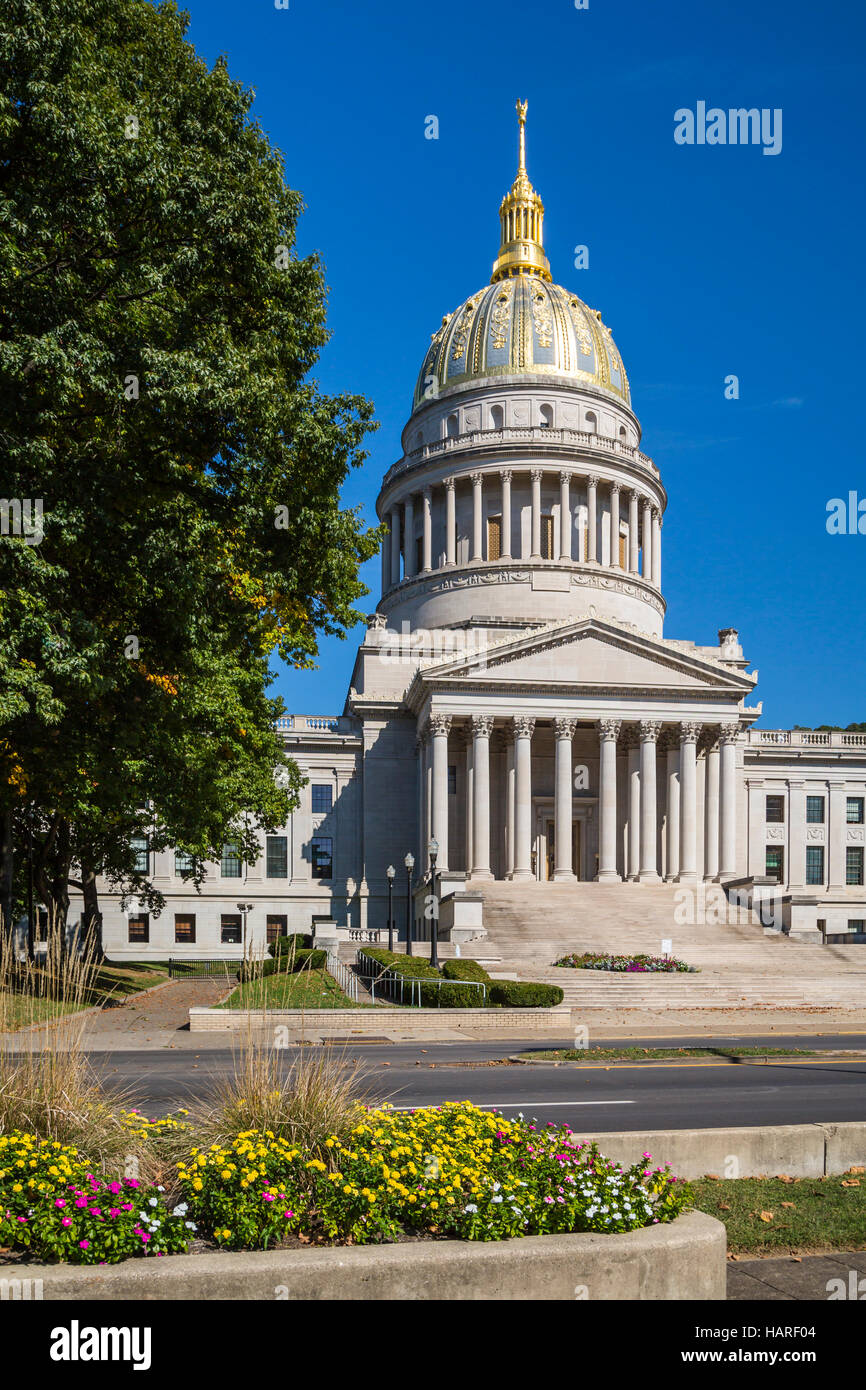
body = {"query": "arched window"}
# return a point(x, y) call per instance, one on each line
point(623, 435)
point(497, 417)
point(591, 422)
point(545, 416)
point(451, 429)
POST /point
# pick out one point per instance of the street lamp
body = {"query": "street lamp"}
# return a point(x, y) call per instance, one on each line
point(433, 850)
point(391, 874)
point(409, 861)
point(243, 909)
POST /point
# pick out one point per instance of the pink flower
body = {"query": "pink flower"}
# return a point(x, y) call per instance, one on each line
point(95, 1211)
point(60, 1202)
point(114, 1211)
point(84, 1244)
point(145, 1239)
point(67, 1221)
point(82, 1202)
point(289, 1214)
point(267, 1196)
point(114, 1187)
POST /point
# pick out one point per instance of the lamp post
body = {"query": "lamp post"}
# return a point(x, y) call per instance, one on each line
point(243, 909)
point(390, 874)
point(409, 861)
point(433, 850)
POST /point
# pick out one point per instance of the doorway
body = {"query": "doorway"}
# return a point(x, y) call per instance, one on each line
point(576, 846)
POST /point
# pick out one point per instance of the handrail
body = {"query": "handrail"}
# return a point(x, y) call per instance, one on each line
point(391, 979)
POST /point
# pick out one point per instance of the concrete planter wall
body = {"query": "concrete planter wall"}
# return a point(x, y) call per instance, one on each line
point(747, 1151)
point(518, 1023)
point(682, 1260)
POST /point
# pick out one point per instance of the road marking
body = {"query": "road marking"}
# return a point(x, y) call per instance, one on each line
point(510, 1104)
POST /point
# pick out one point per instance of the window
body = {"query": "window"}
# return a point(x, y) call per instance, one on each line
point(322, 794)
point(494, 537)
point(854, 810)
point(814, 810)
point(230, 930)
point(183, 863)
point(231, 860)
point(140, 853)
point(322, 856)
point(276, 927)
point(42, 924)
point(814, 863)
point(452, 779)
point(419, 554)
point(497, 417)
point(775, 809)
point(854, 865)
point(545, 417)
point(775, 862)
point(184, 928)
point(623, 551)
point(856, 924)
point(277, 865)
point(139, 929)
point(591, 422)
point(547, 537)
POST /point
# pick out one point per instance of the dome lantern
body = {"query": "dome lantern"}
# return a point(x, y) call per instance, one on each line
point(521, 217)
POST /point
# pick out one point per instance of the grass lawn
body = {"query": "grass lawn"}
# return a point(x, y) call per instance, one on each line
point(308, 989)
point(110, 983)
point(630, 1054)
point(777, 1216)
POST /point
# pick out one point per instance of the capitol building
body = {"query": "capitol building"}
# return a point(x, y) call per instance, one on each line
point(515, 698)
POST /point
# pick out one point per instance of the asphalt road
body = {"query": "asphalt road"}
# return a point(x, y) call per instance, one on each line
point(669, 1095)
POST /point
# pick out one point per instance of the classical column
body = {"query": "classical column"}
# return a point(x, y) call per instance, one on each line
point(420, 760)
point(563, 870)
point(523, 726)
point(510, 780)
point(795, 865)
point(728, 801)
point(395, 546)
point(647, 541)
point(672, 866)
point(505, 541)
point(469, 802)
point(535, 550)
point(689, 734)
point(608, 730)
point(477, 539)
point(440, 725)
point(657, 547)
point(482, 725)
point(711, 816)
point(633, 536)
point(591, 518)
point(837, 834)
point(427, 548)
point(409, 538)
point(386, 561)
point(450, 524)
point(649, 733)
point(564, 518)
point(633, 745)
point(614, 525)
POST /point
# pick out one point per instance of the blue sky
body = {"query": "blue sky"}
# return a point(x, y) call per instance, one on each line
point(704, 260)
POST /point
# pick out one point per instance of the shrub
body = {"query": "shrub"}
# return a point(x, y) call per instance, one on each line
point(409, 966)
point(524, 994)
point(465, 970)
point(307, 960)
point(297, 942)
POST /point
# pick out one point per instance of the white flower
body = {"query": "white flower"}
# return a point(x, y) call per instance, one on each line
point(190, 1225)
point(181, 1209)
point(471, 1207)
point(154, 1202)
point(496, 1199)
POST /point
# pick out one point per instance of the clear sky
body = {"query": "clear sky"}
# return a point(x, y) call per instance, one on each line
point(705, 260)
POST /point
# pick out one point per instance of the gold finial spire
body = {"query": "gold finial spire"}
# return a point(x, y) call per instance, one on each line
point(521, 216)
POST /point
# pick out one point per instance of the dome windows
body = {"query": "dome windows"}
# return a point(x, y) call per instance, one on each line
point(590, 422)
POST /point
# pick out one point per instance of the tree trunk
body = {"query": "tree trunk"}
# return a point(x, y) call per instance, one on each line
point(91, 917)
point(7, 863)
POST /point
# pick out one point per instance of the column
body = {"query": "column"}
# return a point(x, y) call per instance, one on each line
point(395, 546)
point(711, 816)
point(647, 541)
point(837, 834)
point(689, 802)
point(450, 524)
point(563, 869)
point(657, 547)
point(592, 519)
point(633, 536)
point(564, 518)
point(523, 726)
point(420, 760)
point(633, 805)
point(477, 541)
point(614, 525)
point(757, 863)
point(482, 725)
point(608, 730)
point(535, 549)
point(386, 561)
point(728, 799)
point(469, 807)
point(427, 547)
point(505, 546)
point(510, 778)
point(649, 733)
point(440, 725)
point(409, 538)
point(673, 812)
point(795, 860)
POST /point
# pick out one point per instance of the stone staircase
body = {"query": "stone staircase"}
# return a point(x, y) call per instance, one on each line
point(530, 925)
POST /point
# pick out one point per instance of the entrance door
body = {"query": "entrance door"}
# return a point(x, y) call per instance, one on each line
point(550, 861)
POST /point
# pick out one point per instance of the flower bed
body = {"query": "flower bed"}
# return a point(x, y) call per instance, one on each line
point(453, 1171)
point(656, 965)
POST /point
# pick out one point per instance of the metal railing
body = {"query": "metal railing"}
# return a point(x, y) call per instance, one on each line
point(345, 979)
point(189, 965)
point(407, 990)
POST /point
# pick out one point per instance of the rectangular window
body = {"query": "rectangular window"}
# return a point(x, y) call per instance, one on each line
point(277, 858)
point(231, 860)
point(184, 928)
point(547, 537)
point(814, 810)
point(230, 930)
point(854, 810)
point(452, 780)
point(183, 863)
point(140, 853)
point(814, 863)
point(854, 865)
point(276, 927)
point(419, 554)
point(623, 552)
point(494, 537)
point(322, 797)
point(775, 862)
point(775, 809)
point(139, 929)
point(322, 856)
point(856, 924)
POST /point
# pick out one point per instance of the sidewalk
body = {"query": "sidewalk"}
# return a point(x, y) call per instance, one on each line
point(787, 1280)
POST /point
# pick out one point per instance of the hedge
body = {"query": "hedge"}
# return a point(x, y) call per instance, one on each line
point(297, 942)
point(524, 994)
point(465, 970)
point(285, 963)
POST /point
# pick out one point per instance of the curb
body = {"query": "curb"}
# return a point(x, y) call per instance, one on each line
point(852, 1053)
